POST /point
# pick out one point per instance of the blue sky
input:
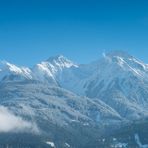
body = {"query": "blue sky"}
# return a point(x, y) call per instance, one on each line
point(33, 30)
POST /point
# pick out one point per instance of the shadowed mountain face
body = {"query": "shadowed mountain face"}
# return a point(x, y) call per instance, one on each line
point(58, 95)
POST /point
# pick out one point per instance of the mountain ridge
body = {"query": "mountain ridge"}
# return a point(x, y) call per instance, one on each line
point(59, 94)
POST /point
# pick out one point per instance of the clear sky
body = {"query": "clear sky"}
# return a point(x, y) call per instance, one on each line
point(33, 30)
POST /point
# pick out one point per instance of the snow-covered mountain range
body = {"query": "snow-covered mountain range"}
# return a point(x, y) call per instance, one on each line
point(112, 89)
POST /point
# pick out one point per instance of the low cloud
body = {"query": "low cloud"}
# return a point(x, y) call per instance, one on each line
point(11, 123)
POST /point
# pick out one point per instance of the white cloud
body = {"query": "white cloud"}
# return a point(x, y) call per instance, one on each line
point(11, 123)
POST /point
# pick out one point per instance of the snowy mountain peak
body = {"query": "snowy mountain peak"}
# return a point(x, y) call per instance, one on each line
point(61, 61)
point(123, 59)
point(118, 53)
point(57, 57)
point(7, 69)
point(49, 70)
point(11, 67)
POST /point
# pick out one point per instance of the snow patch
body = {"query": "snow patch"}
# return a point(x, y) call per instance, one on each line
point(67, 145)
point(51, 144)
point(121, 145)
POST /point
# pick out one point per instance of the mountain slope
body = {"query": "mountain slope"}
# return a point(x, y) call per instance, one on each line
point(77, 99)
point(118, 79)
point(122, 83)
point(55, 111)
point(54, 104)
